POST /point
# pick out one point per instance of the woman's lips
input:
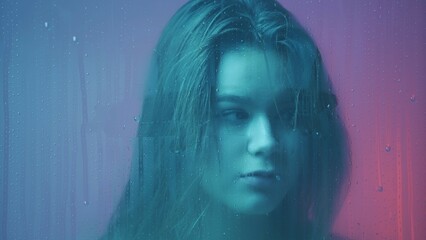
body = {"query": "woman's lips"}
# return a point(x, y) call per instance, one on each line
point(260, 173)
point(260, 179)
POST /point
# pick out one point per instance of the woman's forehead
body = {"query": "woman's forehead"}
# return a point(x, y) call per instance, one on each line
point(251, 69)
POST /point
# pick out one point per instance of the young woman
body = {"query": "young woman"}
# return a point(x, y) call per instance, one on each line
point(239, 136)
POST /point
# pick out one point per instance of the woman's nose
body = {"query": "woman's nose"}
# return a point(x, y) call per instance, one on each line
point(261, 140)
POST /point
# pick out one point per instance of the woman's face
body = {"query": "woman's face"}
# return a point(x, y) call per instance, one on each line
point(259, 153)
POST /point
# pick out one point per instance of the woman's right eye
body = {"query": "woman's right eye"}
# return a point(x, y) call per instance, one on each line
point(236, 116)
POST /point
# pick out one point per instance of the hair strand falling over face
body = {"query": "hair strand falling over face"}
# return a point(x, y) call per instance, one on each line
point(164, 197)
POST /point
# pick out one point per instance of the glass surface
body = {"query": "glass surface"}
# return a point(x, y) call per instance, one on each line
point(72, 77)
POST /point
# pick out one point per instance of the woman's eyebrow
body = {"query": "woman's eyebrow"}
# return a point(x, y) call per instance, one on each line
point(234, 98)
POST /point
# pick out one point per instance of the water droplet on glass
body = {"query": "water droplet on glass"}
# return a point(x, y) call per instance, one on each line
point(46, 24)
point(277, 177)
point(74, 38)
point(388, 148)
point(135, 119)
point(380, 188)
point(413, 98)
point(85, 202)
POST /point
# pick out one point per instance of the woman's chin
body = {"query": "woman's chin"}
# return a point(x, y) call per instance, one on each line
point(259, 207)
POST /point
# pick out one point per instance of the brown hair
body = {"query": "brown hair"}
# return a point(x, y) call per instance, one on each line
point(163, 199)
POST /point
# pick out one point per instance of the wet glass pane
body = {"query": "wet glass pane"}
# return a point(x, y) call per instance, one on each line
point(233, 119)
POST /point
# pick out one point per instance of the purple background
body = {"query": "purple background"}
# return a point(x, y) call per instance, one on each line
point(71, 81)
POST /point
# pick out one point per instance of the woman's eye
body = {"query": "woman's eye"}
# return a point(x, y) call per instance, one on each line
point(234, 115)
point(283, 117)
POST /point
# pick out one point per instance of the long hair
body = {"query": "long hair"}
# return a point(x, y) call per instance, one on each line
point(163, 198)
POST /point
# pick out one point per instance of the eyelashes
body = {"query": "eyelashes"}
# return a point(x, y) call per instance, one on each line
point(286, 115)
point(238, 117)
point(235, 112)
point(234, 115)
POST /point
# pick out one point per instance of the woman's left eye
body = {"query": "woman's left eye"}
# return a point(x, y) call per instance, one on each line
point(285, 116)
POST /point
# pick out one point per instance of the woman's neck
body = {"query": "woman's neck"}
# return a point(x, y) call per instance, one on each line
point(220, 223)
